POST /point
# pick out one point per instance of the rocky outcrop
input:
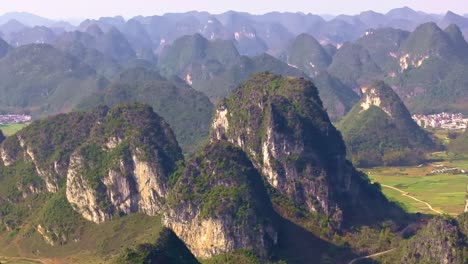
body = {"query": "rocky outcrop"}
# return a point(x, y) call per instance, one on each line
point(45, 234)
point(380, 95)
point(439, 242)
point(371, 97)
point(113, 161)
point(220, 205)
point(281, 123)
point(10, 151)
point(466, 203)
point(82, 196)
point(132, 186)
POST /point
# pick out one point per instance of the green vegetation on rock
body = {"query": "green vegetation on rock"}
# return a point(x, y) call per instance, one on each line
point(221, 180)
point(295, 145)
point(187, 111)
point(379, 130)
point(441, 241)
point(227, 81)
point(38, 161)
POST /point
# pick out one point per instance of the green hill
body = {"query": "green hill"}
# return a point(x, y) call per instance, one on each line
point(272, 184)
point(338, 99)
point(223, 84)
point(353, 66)
point(434, 70)
point(308, 55)
point(79, 45)
point(428, 39)
point(379, 130)
point(42, 80)
point(383, 45)
point(195, 58)
point(114, 44)
point(281, 123)
point(187, 111)
point(427, 67)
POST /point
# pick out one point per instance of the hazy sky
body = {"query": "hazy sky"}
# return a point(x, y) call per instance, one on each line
point(129, 8)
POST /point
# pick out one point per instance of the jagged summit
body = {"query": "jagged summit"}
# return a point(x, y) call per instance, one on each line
point(281, 123)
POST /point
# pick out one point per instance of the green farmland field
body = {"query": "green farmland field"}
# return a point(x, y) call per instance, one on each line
point(11, 129)
point(444, 192)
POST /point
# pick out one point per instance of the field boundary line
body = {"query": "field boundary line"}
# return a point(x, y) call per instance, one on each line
point(371, 256)
point(412, 197)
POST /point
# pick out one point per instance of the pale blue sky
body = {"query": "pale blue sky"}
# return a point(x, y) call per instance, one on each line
point(129, 8)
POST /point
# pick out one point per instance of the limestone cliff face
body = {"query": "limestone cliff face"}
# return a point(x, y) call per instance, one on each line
point(112, 161)
point(281, 124)
point(466, 203)
point(132, 186)
point(219, 205)
point(82, 196)
point(371, 97)
point(382, 96)
point(47, 144)
point(441, 241)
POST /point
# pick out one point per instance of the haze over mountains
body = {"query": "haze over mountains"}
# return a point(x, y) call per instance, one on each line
point(252, 32)
point(422, 56)
point(221, 129)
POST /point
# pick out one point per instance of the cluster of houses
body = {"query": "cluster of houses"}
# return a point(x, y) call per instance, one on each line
point(446, 170)
point(442, 120)
point(14, 119)
point(441, 169)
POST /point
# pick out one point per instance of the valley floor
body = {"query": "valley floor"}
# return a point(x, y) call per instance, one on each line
point(417, 190)
point(10, 129)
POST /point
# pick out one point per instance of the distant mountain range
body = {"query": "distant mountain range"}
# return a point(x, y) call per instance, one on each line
point(49, 67)
point(253, 34)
